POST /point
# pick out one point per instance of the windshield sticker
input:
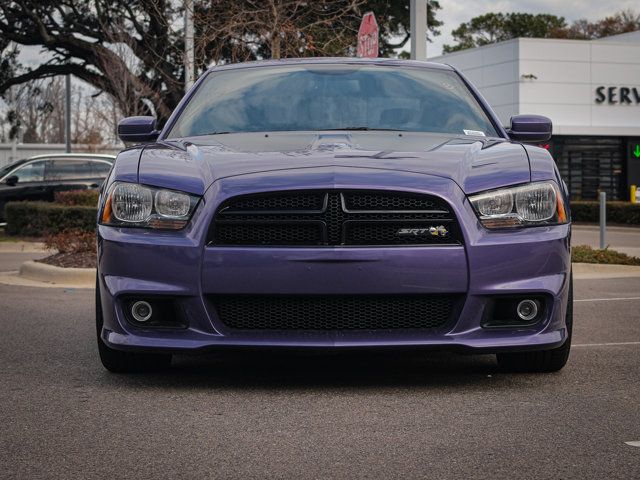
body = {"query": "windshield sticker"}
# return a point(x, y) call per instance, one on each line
point(476, 133)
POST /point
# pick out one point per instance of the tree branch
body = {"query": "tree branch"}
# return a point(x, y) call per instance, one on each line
point(49, 70)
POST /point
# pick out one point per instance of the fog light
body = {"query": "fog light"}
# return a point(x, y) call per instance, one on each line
point(141, 311)
point(527, 310)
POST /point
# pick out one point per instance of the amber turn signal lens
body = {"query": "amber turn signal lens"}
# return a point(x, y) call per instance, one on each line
point(562, 212)
point(106, 213)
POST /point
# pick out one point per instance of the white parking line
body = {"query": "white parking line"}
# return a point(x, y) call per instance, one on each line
point(607, 299)
point(610, 344)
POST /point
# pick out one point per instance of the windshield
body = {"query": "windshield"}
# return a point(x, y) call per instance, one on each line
point(7, 168)
point(332, 97)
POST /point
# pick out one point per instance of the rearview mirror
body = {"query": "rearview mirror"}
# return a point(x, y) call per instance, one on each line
point(11, 181)
point(138, 129)
point(530, 128)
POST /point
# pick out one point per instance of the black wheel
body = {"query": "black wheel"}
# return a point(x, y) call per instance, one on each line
point(544, 360)
point(118, 361)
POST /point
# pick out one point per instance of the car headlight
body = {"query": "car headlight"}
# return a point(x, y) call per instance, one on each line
point(538, 203)
point(135, 205)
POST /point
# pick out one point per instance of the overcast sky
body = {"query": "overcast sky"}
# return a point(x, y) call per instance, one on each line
point(455, 12)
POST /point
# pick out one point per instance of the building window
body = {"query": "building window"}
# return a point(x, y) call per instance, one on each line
point(590, 165)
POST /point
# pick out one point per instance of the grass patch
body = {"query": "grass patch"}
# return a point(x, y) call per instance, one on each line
point(586, 254)
point(5, 238)
point(13, 239)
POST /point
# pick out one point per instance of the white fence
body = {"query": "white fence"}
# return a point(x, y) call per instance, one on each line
point(10, 152)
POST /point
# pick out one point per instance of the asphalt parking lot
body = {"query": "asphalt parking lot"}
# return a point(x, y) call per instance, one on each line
point(413, 415)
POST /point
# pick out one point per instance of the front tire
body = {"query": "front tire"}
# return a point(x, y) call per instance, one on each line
point(118, 361)
point(544, 361)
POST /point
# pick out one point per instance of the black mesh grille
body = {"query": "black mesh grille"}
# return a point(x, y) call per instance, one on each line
point(309, 233)
point(391, 201)
point(334, 312)
point(282, 202)
point(334, 218)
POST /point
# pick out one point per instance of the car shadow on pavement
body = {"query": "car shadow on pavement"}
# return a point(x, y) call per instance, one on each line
point(250, 370)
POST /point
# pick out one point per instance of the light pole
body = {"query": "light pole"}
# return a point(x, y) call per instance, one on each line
point(418, 12)
point(67, 113)
point(189, 57)
point(14, 143)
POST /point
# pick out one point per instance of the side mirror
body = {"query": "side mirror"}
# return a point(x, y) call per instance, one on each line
point(530, 128)
point(11, 181)
point(138, 129)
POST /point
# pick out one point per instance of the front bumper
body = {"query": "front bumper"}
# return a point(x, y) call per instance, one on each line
point(179, 264)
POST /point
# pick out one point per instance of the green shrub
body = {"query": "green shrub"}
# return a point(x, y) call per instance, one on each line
point(88, 198)
point(617, 212)
point(586, 254)
point(36, 219)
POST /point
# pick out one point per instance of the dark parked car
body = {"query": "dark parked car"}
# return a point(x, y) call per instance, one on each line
point(38, 178)
point(334, 203)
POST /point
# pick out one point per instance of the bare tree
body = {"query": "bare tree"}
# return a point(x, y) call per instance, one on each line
point(36, 114)
point(32, 112)
point(276, 28)
point(621, 22)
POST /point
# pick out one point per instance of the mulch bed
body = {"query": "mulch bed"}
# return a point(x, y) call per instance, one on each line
point(68, 260)
point(586, 254)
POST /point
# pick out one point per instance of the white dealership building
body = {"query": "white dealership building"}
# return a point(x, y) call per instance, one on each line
point(589, 89)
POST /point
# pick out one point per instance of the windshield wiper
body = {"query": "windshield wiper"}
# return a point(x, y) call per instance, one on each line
point(349, 129)
point(362, 129)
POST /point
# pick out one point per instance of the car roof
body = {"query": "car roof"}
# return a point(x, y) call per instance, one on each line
point(333, 61)
point(74, 156)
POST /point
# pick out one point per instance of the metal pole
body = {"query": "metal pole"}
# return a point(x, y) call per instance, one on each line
point(67, 113)
point(189, 56)
point(418, 12)
point(14, 143)
point(603, 218)
point(426, 27)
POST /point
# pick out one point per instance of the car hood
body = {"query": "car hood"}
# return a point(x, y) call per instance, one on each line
point(474, 163)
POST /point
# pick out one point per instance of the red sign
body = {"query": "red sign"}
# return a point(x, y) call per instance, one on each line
point(368, 36)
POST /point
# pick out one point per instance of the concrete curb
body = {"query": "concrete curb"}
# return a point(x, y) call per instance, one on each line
point(586, 271)
point(41, 272)
point(22, 247)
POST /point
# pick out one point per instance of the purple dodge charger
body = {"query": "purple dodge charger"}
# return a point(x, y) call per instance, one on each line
point(334, 203)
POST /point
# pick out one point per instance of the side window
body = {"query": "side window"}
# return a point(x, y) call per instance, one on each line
point(100, 169)
point(68, 170)
point(31, 172)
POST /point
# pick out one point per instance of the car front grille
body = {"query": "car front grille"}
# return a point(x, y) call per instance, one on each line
point(334, 218)
point(334, 312)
